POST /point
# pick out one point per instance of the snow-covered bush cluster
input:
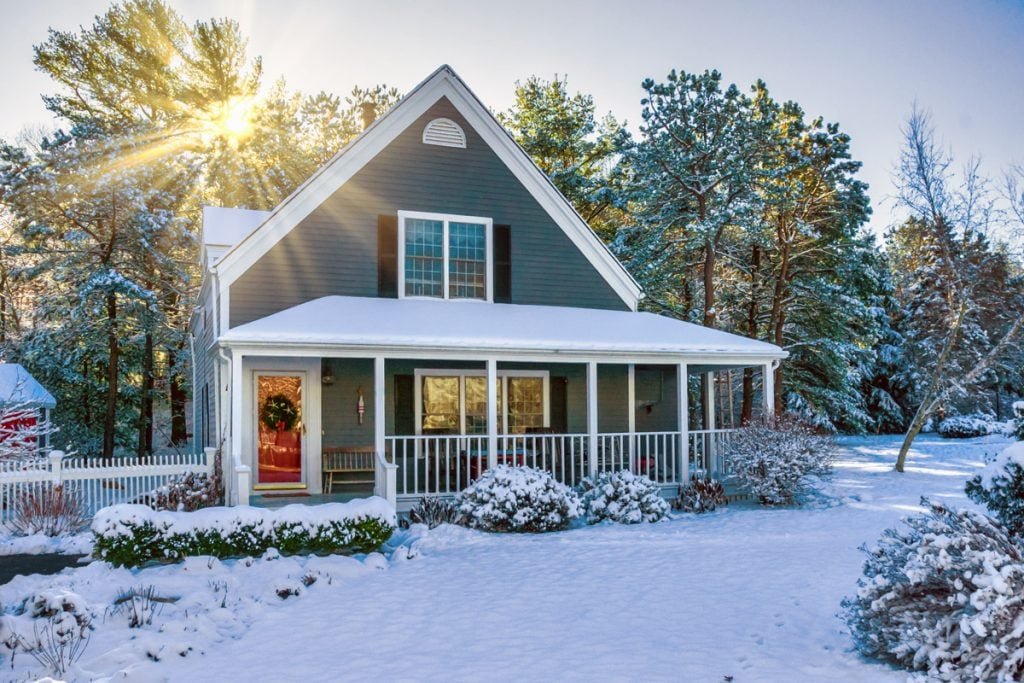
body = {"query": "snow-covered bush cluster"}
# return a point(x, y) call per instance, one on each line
point(51, 510)
point(519, 499)
point(192, 491)
point(965, 426)
point(131, 535)
point(945, 597)
point(702, 494)
point(434, 512)
point(52, 627)
point(622, 497)
point(773, 458)
point(1000, 488)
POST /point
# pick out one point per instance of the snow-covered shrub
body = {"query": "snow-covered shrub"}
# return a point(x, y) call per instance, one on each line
point(622, 497)
point(140, 604)
point(965, 426)
point(1000, 488)
point(1018, 420)
point(434, 512)
point(52, 510)
point(192, 491)
point(55, 633)
point(131, 535)
point(702, 494)
point(773, 458)
point(520, 499)
point(945, 596)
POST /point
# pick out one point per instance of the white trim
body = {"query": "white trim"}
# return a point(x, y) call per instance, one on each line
point(379, 406)
point(453, 136)
point(446, 219)
point(442, 83)
point(683, 422)
point(462, 374)
point(592, 428)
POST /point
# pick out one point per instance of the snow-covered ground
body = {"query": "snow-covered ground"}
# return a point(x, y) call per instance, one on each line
point(38, 544)
point(744, 592)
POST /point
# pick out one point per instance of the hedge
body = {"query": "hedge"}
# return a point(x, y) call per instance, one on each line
point(132, 535)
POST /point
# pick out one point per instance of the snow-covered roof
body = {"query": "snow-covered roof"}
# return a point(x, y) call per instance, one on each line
point(223, 228)
point(439, 324)
point(18, 388)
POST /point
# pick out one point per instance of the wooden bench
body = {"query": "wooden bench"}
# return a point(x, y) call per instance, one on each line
point(348, 465)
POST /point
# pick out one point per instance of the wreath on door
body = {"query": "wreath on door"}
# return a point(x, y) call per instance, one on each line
point(279, 413)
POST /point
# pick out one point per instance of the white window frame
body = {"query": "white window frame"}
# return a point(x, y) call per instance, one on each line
point(462, 374)
point(445, 219)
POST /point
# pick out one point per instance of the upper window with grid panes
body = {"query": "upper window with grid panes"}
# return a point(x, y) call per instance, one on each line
point(444, 257)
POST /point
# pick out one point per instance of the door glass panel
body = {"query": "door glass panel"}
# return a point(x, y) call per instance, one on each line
point(441, 405)
point(525, 404)
point(279, 401)
point(476, 405)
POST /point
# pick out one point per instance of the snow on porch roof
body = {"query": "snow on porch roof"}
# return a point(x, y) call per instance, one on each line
point(374, 322)
point(18, 388)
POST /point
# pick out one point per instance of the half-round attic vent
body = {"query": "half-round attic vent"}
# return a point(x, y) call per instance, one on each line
point(444, 132)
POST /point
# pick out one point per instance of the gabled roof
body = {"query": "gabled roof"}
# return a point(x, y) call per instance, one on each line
point(444, 82)
point(470, 325)
point(20, 389)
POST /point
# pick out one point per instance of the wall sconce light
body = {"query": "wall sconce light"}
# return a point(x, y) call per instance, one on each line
point(326, 374)
point(360, 405)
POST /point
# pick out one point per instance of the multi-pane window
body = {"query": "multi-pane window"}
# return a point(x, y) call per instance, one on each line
point(441, 411)
point(454, 402)
point(467, 261)
point(424, 257)
point(445, 257)
point(525, 404)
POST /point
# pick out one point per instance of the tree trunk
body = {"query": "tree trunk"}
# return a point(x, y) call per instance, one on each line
point(709, 284)
point(747, 407)
point(927, 401)
point(179, 427)
point(145, 445)
point(113, 351)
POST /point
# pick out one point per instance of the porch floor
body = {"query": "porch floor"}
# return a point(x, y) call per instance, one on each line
point(279, 501)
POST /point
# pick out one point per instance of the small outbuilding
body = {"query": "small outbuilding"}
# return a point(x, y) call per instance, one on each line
point(24, 404)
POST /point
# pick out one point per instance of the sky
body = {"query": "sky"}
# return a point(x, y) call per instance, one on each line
point(862, 64)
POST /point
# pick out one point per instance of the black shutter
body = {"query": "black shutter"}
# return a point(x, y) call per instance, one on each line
point(502, 264)
point(405, 405)
point(559, 405)
point(387, 256)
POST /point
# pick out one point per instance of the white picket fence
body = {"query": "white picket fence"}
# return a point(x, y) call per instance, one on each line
point(98, 482)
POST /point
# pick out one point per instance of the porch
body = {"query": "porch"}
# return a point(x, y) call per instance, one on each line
point(426, 396)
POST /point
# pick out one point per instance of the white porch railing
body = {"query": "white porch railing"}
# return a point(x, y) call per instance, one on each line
point(446, 464)
point(98, 482)
point(708, 450)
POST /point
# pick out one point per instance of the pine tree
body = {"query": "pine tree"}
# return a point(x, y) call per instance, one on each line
point(581, 154)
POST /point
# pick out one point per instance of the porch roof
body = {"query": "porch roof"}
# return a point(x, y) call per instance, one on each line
point(471, 325)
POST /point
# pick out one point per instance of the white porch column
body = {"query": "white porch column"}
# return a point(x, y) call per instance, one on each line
point(709, 422)
point(379, 416)
point(631, 414)
point(243, 473)
point(768, 390)
point(492, 413)
point(592, 418)
point(683, 422)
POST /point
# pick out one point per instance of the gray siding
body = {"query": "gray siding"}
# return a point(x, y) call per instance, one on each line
point(204, 326)
point(334, 250)
point(340, 421)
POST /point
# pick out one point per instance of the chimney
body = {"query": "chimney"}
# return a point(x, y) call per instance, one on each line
point(369, 113)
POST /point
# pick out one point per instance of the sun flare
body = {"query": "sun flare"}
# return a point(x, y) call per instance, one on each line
point(233, 119)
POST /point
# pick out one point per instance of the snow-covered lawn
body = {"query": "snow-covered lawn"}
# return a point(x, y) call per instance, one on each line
point(746, 592)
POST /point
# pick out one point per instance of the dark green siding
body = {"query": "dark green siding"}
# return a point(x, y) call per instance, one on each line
point(334, 250)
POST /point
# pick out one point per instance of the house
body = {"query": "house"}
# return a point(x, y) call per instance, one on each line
point(426, 306)
point(25, 405)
